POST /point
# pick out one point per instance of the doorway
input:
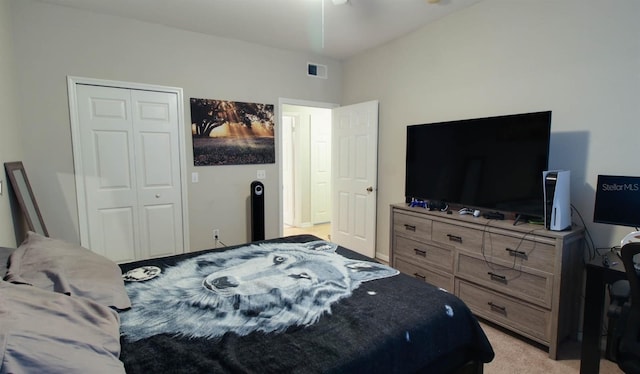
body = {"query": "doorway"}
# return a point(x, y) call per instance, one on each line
point(306, 170)
point(352, 157)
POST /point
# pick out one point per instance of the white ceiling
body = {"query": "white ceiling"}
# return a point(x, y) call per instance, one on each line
point(289, 24)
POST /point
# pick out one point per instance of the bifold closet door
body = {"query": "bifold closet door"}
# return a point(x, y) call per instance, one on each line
point(131, 171)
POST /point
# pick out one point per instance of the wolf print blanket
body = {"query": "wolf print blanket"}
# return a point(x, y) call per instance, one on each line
point(265, 287)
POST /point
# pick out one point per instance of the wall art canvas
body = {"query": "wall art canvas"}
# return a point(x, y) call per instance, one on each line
point(232, 132)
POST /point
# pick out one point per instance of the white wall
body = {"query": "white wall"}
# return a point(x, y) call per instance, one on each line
point(52, 42)
point(578, 58)
point(10, 143)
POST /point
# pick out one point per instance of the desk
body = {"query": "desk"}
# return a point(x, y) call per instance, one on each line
point(598, 276)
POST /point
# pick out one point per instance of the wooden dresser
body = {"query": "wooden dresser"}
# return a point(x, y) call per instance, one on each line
point(522, 277)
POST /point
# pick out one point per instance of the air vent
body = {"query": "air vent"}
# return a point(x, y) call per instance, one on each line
point(316, 70)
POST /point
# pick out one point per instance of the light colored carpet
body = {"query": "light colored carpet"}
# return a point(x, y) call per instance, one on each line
point(515, 355)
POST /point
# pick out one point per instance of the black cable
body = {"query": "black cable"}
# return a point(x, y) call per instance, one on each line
point(592, 250)
point(489, 264)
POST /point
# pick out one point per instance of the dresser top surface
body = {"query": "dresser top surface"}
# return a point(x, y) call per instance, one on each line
point(453, 217)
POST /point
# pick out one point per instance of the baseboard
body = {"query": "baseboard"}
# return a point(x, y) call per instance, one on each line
point(382, 257)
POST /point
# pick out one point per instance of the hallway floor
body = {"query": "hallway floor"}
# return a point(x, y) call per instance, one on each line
point(322, 231)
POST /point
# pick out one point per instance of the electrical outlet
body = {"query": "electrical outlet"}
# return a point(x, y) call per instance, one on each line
point(216, 234)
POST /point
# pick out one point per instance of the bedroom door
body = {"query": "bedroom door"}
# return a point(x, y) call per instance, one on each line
point(130, 172)
point(354, 176)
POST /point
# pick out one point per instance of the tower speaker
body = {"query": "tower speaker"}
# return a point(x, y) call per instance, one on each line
point(257, 211)
point(557, 200)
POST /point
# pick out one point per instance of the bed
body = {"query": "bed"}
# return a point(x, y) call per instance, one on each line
point(217, 311)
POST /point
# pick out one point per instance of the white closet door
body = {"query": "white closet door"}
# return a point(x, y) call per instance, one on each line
point(129, 146)
point(155, 116)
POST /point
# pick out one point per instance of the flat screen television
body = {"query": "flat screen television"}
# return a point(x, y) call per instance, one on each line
point(493, 163)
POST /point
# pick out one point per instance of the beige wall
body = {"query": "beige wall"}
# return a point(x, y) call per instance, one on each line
point(52, 42)
point(578, 58)
point(10, 143)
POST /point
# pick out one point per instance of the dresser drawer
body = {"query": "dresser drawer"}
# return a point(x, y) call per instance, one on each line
point(534, 287)
point(438, 279)
point(530, 320)
point(414, 227)
point(519, 251)
point(457, 236)
point(423, 254)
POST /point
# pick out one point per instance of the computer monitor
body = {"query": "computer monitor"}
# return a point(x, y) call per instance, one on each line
point(618, 203)
point(617, 200)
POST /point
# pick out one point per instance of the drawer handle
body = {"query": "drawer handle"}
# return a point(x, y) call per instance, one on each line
point(409, 227)
point(420, 252)
point(455, 238)
point(498, 277)
point(420, 276)
point(497, 308)
point(513, 252)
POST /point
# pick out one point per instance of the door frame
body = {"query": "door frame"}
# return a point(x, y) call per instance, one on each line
point(294, 202)
point(279, 149)
point(72, 82)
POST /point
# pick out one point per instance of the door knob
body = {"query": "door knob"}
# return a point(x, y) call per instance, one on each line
point(369, 189)
point(157, 196)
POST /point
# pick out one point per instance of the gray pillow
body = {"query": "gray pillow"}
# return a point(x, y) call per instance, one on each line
point(59, 266)
point(47, 332)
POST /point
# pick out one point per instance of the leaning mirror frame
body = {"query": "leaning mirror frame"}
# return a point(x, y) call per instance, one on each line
point(22, 189)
